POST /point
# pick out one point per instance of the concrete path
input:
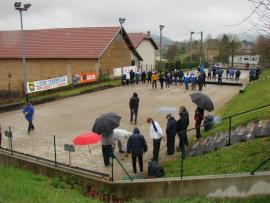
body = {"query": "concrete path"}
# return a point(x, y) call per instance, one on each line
point(69, 117)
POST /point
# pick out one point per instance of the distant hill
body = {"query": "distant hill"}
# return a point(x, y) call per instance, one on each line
point(165, 40)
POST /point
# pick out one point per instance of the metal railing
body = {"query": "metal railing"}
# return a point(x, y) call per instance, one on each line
point(259, 166)
point(230, 131)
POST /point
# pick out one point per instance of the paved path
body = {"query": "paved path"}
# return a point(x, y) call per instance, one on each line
point(69, 117)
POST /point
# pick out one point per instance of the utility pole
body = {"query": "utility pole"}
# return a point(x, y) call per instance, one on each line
point(161, 27)
point(18, 6)
point(201, 56)
point(190, 65)
point(121, 21)
point(232, 52)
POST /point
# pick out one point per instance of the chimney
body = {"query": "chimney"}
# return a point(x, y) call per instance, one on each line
point(148, 33)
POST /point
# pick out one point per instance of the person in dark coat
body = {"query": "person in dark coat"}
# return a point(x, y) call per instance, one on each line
point(143, 76)
point(28, 112)
point(237, 74)
point(132, 77)
point(108, 144)
point(171, 132)
point(137, 146)
point(200, 81)
point(149, 75)
point(199, 115)
point(161, 80)
point(134, 107)
point(181, 127)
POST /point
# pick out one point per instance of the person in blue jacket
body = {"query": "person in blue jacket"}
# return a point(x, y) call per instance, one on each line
point(186, 80)
point(28, 112)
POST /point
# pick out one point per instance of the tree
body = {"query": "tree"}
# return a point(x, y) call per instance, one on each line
point(172, 52)
point(262, 47)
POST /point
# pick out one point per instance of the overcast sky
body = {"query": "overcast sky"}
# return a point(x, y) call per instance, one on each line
point(179, 16)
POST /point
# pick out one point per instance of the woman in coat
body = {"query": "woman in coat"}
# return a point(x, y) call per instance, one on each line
point(199, 115)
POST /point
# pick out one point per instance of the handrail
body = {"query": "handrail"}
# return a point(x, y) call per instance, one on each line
point(229, 141)
point(259, 166)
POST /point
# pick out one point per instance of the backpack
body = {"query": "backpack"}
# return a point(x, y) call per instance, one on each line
point(155, 169)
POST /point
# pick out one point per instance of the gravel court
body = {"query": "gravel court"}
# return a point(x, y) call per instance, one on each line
point(69, 117)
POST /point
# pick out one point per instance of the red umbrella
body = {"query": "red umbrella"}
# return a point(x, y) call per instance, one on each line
point(87, 138)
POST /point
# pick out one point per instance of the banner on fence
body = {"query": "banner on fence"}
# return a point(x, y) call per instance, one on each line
point(42, 85)
point(117, 71)
point(88, 77)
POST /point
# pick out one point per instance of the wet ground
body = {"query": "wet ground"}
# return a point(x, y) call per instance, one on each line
point(69, 117)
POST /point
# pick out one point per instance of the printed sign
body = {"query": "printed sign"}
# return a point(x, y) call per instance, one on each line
point(42, 85)
point(88, 77)
point(117, 71)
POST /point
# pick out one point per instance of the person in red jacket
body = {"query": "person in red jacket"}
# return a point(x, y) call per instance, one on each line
point(199, 115)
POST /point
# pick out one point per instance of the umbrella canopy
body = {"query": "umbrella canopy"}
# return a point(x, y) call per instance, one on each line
point(167, 110)
point(202, 101)
point(87, 138)
point(106, 123)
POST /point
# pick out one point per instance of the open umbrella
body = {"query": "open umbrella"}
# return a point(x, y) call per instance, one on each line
point(87, 139)
point(106, 123)
point(167, 110)
point(202, 101)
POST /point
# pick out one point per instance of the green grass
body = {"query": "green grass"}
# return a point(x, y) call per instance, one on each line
point(257, 94)
point(241, 157)
point(17, 185)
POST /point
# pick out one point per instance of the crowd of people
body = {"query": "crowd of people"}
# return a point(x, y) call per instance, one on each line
point(136, 143)
point(177, 77)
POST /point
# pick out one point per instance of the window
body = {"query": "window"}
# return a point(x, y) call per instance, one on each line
point(133, 63)
point(246, 59)
point(254, 59)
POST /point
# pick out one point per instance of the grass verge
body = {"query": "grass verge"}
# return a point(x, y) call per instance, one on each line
point(17, 185)
point(241, 157)
point(257, 94)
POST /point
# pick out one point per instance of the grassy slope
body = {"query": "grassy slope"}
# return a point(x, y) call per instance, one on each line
point(241, 157)
point(257, 94)
point(22, 186)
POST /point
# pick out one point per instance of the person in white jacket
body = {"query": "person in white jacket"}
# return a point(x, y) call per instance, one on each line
point(155, 132)
point(121, 136)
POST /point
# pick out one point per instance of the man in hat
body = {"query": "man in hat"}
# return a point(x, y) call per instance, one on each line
point(155, 132)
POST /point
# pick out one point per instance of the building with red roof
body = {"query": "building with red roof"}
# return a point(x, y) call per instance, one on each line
point(63, 51)
point(146, 47)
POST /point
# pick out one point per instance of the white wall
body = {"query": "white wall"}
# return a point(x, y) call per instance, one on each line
point(244, 59)
point(147, 52)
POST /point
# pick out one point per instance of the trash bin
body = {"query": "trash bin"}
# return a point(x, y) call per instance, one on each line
point(208, 122)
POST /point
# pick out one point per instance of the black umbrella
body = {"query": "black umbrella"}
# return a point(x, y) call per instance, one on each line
point(202, 101)
point(106, 123)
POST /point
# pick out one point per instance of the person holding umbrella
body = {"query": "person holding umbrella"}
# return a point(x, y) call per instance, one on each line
point(199, 115)
point(155, 132)
point(203, 102)
point(104, 126)
point(137, 147)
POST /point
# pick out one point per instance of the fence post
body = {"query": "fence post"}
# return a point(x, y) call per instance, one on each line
point(182, 160)
point(0, 136)
point(10, 133)
point(112, 167)
point(230, 130)
point(54, 144)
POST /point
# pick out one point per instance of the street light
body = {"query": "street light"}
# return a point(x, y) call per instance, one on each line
point(191, 33)
point(121, 21)
point(161, 27)
point(18, 6)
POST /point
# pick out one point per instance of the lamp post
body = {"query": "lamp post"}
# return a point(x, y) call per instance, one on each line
point(18, 6)
point(161, 27)
point(201, 55)
point(121, 21)
point(191, 33)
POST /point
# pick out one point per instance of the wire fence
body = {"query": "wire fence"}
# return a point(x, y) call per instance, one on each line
point(89, 158)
